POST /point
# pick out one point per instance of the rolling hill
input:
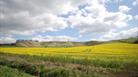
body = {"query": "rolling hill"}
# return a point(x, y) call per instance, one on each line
point(31, 43)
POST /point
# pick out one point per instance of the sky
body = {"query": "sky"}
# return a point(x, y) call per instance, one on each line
point(67, 20)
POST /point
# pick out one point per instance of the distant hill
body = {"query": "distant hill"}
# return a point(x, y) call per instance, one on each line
point(61, 44)
point(128, 40)
point(27, 43)
point(31, 43)
point(56, 44)
point(34, 43)
point(90, 43)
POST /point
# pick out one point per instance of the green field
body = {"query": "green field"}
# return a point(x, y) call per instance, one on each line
point(104, 60)
point(9, 72)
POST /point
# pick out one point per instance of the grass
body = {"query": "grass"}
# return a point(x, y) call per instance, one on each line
point(87, 61)
point(9, 72)
point(39, 67)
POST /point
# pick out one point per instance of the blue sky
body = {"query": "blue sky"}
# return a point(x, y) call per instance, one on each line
point(68, 20)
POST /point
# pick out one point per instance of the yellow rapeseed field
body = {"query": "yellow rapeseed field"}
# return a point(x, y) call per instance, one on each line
point(104, 51)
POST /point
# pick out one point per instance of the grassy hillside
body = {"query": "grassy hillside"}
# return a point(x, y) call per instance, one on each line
point(130, 40)
point(55, 44)
point(133, 40)
point(30, 43)
point(27, 43)
point(61, 44)
point(109, 59)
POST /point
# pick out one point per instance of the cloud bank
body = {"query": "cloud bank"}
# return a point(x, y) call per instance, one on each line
point(30, 17)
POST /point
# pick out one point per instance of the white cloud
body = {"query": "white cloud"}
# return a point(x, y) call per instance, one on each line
point(50, 21)
point(124, 8)
point(41, 6)
point(7, 40)
point(53, 38)
point(95, 18)
point(25, 24)
point(135, 2)
point(136, 17)
point(114, 35)
point(42, 16)
point(28, 17)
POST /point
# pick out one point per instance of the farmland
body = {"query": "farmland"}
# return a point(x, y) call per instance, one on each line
point(115, 59)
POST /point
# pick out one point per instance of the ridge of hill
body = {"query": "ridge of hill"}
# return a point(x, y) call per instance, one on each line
point(34, 43)
point(128, 40)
